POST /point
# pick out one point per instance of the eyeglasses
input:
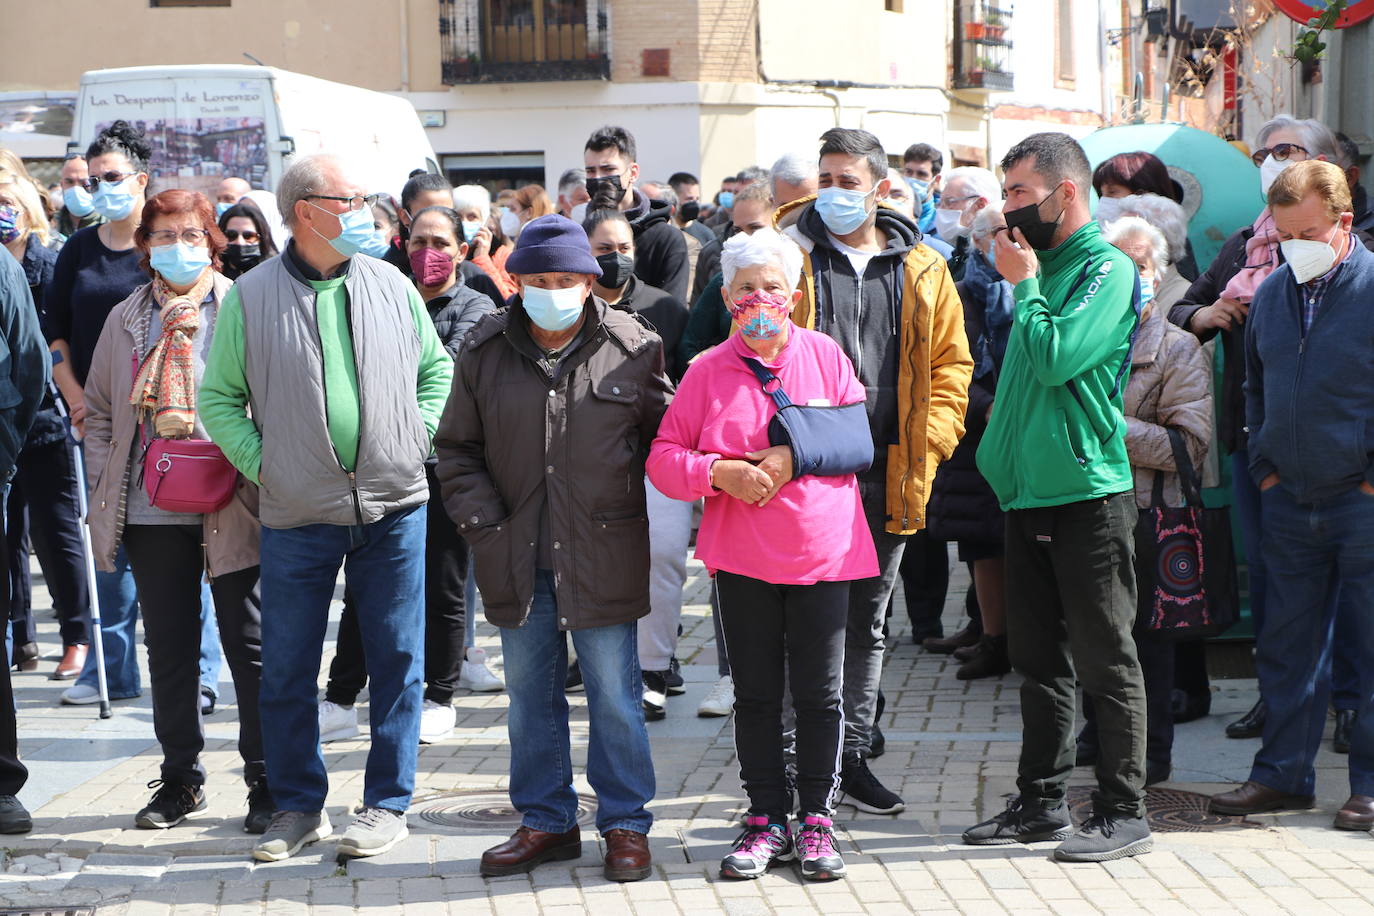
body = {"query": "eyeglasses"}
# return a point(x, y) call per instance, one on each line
point(233, 235)
point(1280, 151)
point(111, 176)
point(168, 236)
point(354, 203)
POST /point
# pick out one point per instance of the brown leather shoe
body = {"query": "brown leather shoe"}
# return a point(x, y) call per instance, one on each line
point(527, 848)
point(73, 660)
point(966, 637)
point(627, 856)
point(1356, 814)
point(1254, 798)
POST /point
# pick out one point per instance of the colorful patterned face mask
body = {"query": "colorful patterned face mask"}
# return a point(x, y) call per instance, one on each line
point(761, 315)
point(9, 224)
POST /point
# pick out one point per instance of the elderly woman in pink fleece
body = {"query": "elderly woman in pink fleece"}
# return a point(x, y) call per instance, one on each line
point(783, 550)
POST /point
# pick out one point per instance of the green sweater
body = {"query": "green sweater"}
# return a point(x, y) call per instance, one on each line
point(1057, 433)
point(224, 390)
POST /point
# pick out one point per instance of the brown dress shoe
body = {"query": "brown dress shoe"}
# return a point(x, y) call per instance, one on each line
point(73, 660)
point(966, 637)
point(1356, 814)
point(527, 848)
point(1254, 798)
point(627, 856)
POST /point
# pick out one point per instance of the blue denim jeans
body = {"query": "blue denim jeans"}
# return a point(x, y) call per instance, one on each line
point(118, 620)
point(384, 569)
point(1311, 551)
point(211, 654)
point(618, 763)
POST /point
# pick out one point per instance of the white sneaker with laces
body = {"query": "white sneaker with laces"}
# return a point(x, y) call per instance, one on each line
point(720, 702)
point(475, 675)
point(80, 695)
point(436, 722)
point(337, 722)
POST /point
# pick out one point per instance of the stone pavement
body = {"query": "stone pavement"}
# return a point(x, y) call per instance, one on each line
point(951, 754)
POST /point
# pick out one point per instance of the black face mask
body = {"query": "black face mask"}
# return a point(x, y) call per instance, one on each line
point(616, 269)
point(1039, 232)
point(690, 210)
point(242, 257)
point(606, 193)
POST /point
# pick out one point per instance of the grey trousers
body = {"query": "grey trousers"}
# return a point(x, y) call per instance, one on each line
point(864, 644)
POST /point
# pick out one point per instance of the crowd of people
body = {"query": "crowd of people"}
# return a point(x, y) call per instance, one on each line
point(837, 366)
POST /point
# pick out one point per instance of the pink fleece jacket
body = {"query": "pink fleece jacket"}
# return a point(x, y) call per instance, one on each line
point(814, 529)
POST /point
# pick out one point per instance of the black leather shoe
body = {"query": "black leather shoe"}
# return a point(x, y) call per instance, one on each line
point(1345, 724)
point(1188, 707)
point(1250, 725)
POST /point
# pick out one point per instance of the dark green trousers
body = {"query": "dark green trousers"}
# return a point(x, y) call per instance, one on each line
point(1071, 603)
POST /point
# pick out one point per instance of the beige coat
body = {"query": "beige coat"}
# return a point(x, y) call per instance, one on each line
point(1170, 388)
point(231, 534)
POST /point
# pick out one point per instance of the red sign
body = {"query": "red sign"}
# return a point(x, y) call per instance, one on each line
point(1303, 10)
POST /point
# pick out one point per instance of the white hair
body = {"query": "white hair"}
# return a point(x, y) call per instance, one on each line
point(793, 169)
point(305, 175)
point(1317, 138)
point(764, 246)
point(986, 222)
point(1130, 227)
point(980, 182)
point(1164, 214)
point(472, 197)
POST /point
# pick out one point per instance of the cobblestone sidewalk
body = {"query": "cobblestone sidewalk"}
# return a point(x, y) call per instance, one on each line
point(951, 754)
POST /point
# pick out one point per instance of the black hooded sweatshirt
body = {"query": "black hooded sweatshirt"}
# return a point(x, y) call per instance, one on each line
point(660, 251)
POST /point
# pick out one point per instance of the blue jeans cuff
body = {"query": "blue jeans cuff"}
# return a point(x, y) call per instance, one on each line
point(546, 826)
point(637, 826)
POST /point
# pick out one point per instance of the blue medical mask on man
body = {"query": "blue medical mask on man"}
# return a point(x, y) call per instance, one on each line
point(220, 209)
point(553, 309)
point(77, 200)
point(356, 233)
point(843, 210)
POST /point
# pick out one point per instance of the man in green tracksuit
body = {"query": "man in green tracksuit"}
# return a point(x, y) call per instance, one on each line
point(1055, 454)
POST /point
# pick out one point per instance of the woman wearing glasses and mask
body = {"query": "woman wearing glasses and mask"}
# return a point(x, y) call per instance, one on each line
point(249, 239)
point(97, 269)
point(141, 396)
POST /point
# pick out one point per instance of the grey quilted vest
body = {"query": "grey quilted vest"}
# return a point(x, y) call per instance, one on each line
point(303, 481)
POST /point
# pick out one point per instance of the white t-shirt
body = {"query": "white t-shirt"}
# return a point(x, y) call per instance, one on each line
point(858, 259)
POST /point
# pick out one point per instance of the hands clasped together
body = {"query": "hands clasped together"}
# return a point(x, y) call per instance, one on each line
point(755, 480)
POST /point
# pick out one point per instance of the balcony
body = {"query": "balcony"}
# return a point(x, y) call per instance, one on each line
point(982, 45)
point(513, 41)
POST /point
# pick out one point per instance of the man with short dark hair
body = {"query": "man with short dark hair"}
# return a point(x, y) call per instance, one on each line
point(77, 211)
point(688, 191)
point(888, 300)
point(924, 163)
point(1055, 454)
point(429, 189)
point(660, 252)
point(1359, 197)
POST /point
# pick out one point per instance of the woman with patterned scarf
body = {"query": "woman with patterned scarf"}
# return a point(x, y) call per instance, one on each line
point(141, 388)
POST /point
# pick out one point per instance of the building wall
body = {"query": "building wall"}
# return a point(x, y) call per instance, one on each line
point(858, 41)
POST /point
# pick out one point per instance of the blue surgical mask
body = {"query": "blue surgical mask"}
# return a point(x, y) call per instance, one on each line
point(114, 201)
point(179, 264)
point(553, 309)
point(727, 199)
point(1147, 291)
point(378, 245)
point(843, 210)
point(355, 231)
point(220, 208)
point(77, 200)
point(470, 229)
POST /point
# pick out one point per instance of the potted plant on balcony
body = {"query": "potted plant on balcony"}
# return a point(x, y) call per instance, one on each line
point(975, 30)
point(995, 25)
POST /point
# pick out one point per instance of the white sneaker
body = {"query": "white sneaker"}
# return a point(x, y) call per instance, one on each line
point(720, 701)
point(80, 695)
point(436, 721)
point(475, 675)
point(337, 721)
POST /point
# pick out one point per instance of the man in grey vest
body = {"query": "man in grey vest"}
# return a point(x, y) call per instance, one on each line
point(326, 388)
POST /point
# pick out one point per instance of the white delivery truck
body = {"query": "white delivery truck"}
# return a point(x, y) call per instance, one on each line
point(207, 122)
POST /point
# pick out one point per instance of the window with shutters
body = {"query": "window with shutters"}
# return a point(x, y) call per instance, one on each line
point(1065, 69)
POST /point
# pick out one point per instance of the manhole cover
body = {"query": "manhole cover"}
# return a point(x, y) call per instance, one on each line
point(484, 811)
point(1168, 811)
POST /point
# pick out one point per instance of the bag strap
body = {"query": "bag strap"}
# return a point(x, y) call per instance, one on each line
point(767, 378)
point(1188, 476)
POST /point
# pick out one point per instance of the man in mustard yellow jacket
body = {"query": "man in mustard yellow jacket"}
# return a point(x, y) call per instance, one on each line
point(889, 301)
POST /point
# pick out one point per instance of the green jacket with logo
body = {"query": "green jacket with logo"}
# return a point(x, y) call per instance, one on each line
point(1057, 433)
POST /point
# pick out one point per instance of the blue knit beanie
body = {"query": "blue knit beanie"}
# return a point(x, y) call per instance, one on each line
point(552, 244)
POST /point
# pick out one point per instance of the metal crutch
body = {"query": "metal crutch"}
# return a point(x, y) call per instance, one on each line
point(97, 645)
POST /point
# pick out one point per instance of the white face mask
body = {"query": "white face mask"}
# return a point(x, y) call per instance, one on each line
point(510, 223)
point(579, 213)
point(947, 225)
point(1309, 258)
point(1108, 209)
point(1270, 170)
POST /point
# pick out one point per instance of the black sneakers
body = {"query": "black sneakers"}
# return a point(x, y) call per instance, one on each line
point(171, 804)
point(861, 789)
point(14, 817)
point(655, 695)
point(673, 678)
point(1104, 837)
point(260, 808)
point(1021, 823)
